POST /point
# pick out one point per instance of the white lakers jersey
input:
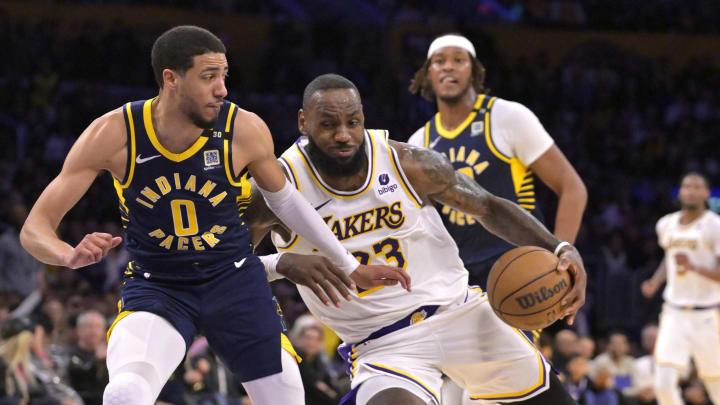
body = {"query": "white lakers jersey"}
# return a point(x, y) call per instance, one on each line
point(700, 241)
point(382, 222)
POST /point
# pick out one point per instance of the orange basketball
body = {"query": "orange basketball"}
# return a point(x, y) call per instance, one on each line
point(525, 289)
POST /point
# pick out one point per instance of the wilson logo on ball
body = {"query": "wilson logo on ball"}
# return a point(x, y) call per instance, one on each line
point(543, 294)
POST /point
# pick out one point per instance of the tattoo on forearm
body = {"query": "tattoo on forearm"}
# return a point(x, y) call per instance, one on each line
point(433, 176)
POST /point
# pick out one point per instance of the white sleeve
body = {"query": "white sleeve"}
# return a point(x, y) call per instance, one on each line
point(711, 233)
point(517, 132)
point(660, 230)
point(297, 213)
point(418, 138)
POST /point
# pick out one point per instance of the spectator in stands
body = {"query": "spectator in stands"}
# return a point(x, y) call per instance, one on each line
point(586, 347)
point(308, 336)
point(644, 367)
point(19, 271)
point(565, 347)
point(19, 383)
point(601, 390)
point(577, 380)
point(616, 361)
point(87, 371)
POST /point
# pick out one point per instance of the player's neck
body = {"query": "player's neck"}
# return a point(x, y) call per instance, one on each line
point(689, 215)
point(173, 129)
point(454, 112)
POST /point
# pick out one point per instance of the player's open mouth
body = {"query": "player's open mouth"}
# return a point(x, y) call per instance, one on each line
point(448, 79)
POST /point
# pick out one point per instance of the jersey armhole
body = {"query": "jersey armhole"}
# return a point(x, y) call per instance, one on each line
point(401, 174)
point(131, 146)
point(234, 179)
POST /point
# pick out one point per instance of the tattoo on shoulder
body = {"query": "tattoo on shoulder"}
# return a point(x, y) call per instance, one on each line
point(425, 166)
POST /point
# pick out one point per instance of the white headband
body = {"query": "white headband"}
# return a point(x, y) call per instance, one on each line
point(451, 40)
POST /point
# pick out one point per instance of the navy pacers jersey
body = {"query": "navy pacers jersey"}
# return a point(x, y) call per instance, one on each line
point(471, 150)
point(182, 211)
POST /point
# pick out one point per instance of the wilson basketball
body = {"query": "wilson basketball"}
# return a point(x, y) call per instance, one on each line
point(525, 289)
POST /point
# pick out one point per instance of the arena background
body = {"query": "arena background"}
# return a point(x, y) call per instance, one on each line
point(628, 90)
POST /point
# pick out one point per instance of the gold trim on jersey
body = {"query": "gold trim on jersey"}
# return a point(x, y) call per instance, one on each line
point(401, 175)
point(132, 144)
point(457, 131)
point(522, 175)
point(285, 344)
point(335, 193)
point(290, 245)
point(427, 134)
point(119, 187)
point(175, 157)
point(402, 374)
point(226, 151)
point(291, 171)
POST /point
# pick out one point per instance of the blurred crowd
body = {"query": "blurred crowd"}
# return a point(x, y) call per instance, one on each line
point(696, 16)
point(629, 123)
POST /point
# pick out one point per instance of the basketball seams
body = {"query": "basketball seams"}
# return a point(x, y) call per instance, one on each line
point(536, 312)
point(510, 294)
point(502, 271)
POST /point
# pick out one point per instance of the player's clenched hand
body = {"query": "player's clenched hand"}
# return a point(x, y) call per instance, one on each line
point(649, 288)
point(318, 274)
point(373, 276)
point(91, 249)
point(571, 262)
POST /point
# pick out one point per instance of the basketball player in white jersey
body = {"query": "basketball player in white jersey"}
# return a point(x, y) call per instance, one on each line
point(377, 195)
point(690, 321)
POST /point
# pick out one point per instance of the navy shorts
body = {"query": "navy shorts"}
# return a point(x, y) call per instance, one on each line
point(233, 307)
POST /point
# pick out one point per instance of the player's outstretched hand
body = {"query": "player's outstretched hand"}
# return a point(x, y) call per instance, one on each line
point(373, 276)
point(571, 262)
point(91, 249)
point(318, 274)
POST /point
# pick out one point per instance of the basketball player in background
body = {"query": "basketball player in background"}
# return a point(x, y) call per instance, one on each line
point(689, 322)
point(377, 196)
point(180, 164)
point(499, 143)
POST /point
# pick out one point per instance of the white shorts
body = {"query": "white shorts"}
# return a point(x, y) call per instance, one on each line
point(468, 343)
point(684, 333)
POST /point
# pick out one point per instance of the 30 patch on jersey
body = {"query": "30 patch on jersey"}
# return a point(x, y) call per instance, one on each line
point(212, 157)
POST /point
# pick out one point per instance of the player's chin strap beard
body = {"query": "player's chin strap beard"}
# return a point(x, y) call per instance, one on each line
point(332, 167)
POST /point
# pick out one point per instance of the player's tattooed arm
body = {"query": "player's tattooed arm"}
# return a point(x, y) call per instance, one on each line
point(433, 177)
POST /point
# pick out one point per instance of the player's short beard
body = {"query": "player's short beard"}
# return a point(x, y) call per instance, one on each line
point(201, 122)
point(333, 167)
point(187, 107)
point(460, 96)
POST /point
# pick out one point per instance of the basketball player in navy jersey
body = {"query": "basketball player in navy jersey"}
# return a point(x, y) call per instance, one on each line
point(180, 164)
point(377, 196)
point(499, 143)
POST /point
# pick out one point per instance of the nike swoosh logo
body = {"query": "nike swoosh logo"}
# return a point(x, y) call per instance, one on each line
point(474, 134)
point(140, 160)
point(433, 143)
point(322, 205)
point(240, 263)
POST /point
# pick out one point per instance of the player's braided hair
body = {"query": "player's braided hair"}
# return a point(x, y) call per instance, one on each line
point(176, 47)
point(421, 83)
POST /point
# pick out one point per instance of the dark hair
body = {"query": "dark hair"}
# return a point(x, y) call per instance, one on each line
point(176, 47)
point(327, 81)
point(697, 174)
point(420, 83)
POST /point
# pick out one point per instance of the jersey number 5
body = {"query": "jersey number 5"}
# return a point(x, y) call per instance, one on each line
point(389, 248)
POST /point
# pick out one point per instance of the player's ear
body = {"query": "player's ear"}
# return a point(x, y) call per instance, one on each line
point(170, 78)
point(301, 122)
